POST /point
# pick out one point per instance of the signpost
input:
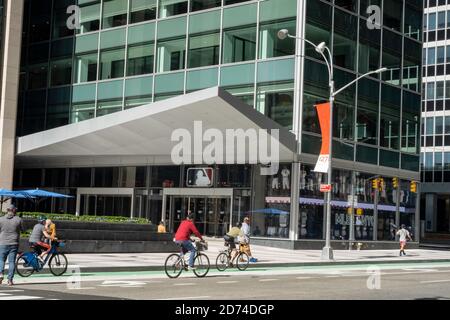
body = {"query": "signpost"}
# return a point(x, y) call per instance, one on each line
point(325, 188)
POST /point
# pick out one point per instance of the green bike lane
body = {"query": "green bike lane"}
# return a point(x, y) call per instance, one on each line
point(74, 275)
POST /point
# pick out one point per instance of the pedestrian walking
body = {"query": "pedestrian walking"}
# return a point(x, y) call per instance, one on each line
point(403, 234)
point(10, 228)
point(244, 239)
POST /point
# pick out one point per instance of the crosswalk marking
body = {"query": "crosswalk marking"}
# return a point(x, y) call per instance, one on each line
point(267, 280)
point(19, 298)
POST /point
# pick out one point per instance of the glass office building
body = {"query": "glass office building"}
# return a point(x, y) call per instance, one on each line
point(124, 54)
point(435, 156)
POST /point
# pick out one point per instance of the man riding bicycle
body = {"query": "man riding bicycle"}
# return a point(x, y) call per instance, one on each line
point(38, 236)
point(183, 238)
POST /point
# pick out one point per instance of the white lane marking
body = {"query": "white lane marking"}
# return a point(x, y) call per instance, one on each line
point(87, 288)
point(186, 298)
point(20, 298)
point(122, 284)
point(268, 280)
point(226, 282)
point(434, 281)
point(184, 284)
point(303, 278)
point(422, 270)
point(11, 291)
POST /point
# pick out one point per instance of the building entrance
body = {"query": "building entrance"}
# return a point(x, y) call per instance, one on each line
point(212, 209)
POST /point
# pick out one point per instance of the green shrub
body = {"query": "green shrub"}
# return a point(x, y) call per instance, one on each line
point(70, 217)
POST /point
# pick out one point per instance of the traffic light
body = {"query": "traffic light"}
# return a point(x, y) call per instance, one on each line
point(395, 183)
point(350, 211)
point(359, 212)
point(381, 184)
point(375, 184)
point(413, 187)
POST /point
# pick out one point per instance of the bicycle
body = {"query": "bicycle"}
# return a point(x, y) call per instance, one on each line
point(223, 260)
point(29, 262)
point(176, 263)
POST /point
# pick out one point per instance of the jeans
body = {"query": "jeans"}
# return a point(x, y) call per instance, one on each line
point(10, 252)
point(187, 244)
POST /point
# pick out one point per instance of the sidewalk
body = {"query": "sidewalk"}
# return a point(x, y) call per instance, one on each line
point(266, 257)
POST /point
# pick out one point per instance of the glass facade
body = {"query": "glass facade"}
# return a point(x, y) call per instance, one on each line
point(128, 53)
point(435, 130)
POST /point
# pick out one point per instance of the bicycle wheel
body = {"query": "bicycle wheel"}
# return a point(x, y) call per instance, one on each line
point(222, 261)
point(173, 266)
point(202, 265)
point(24, 267)
point(242, 261)
point(58, 264)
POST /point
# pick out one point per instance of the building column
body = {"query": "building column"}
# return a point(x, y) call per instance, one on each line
point(430, 212)
point(10, 66)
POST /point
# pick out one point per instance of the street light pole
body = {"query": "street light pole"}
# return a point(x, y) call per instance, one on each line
point(327, 251)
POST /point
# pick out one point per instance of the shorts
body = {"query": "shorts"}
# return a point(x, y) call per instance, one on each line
point(403, 243)
point(229, 242)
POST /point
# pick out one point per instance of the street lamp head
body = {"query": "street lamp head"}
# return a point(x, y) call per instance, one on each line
point(320, 48)
point(283, 34)
point(381, 70)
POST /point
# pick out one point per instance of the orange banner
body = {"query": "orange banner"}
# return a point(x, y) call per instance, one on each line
point(323, 111)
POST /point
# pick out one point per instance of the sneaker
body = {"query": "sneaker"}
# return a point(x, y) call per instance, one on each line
point(400, 254)
point(192, 268)
point(253, 260)
point(10, 283)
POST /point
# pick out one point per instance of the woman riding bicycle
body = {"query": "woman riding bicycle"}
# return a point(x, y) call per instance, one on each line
point(183, 238)
point(230, 240)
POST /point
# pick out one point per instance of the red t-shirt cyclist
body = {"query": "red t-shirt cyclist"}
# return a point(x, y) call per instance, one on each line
point(183, 237)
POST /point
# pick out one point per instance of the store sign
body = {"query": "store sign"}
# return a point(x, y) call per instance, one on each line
point(325, 188)
point(200, 177)
point(323, 112)
point(345, 219)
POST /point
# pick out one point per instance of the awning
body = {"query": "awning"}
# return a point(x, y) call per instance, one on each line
point(146, 131)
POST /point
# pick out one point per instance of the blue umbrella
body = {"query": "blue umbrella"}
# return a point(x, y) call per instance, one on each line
point(270, 211)
point(38, 193)
point(10, 194)
point(7, 194)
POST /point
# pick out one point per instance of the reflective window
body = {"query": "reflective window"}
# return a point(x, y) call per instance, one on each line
point(142, 10)
point(114, 13)
point(276, 101)
point(112, 64)
point(169, 8)
point(61, 72)
point(86, 68)
point(90, 17)
point(140, 59)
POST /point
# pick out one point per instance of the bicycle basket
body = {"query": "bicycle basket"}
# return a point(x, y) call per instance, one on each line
point(201, 246)
point(61, 244)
